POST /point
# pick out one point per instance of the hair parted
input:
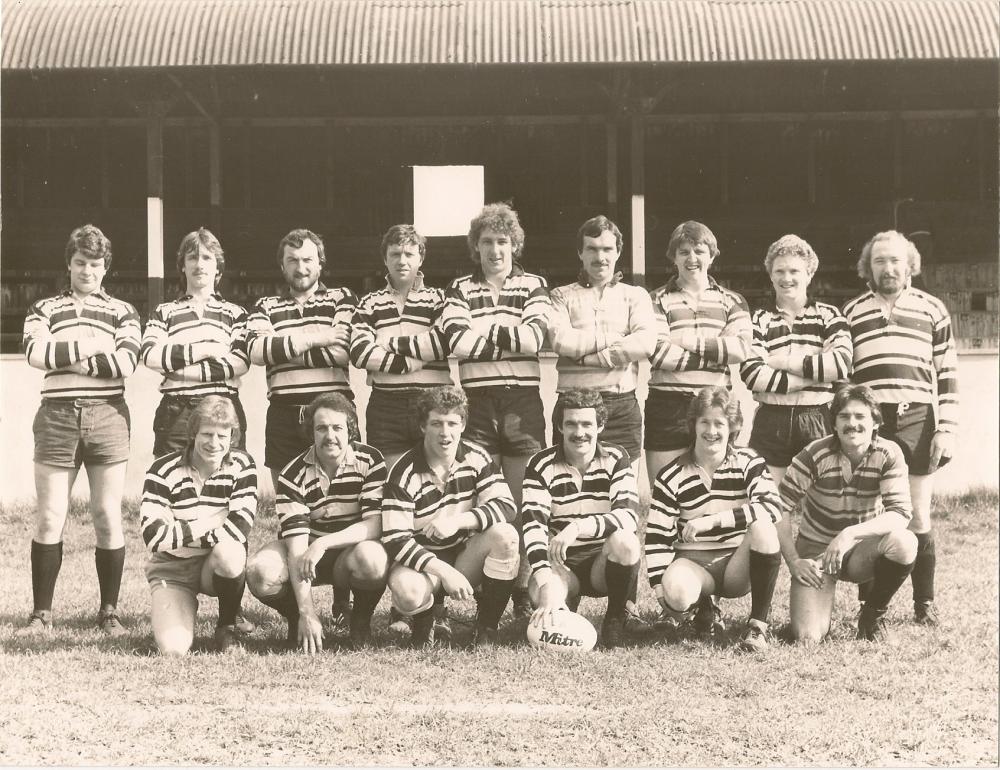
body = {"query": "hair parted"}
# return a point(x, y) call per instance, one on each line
point(91, 242)
point(191, 243)
point(593, 228)
point(694, 233)
point(861, 393)
point(212, 410)
point(500, 218)
point(711, 397)
point(296, 238)
point(865, 260)
point(334, 401)
point(791, 246)
point(403, 235)
point(584, 398)
point(445, 399)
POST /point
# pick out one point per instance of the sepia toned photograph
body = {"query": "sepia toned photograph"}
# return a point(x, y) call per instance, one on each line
point(499, 383)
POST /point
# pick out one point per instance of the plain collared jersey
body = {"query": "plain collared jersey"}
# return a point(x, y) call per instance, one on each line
point(176, 518)
point(405, 349)
point(53, 329)
point(719, 316)
point(497, 339)
point(906, 354)
point(414, 495)
point(616, 325)
point(168, 346)
point(833, 496)
point(311, 503)
point(818, 337)
point(741, 489)
point(298, 379)
point(602, 500)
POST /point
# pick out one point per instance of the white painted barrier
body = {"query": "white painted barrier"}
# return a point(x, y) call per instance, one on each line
point(976, 463)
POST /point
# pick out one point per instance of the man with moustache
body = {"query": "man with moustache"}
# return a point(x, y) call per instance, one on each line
point(581, 509)
point(904, 350)
point(852, 490)
point(302, 337)
point(329, 512)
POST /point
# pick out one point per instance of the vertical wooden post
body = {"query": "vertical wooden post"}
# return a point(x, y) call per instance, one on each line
point(637, 158)
point(611, 134)
point(154, 206)
point(215, 177)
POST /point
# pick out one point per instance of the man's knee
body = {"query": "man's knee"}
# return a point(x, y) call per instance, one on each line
point(174, 643)
point(623, 547)
point(266, 573)
point(763, 536)
point(681, 589)
point(410, 591)
point(229, 559)
point(806, 632)
point(504, 540)
point(899, 546)
point(369, 562)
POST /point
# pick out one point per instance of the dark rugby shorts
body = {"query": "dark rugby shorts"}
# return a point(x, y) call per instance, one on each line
point(506, 421)
point(393, 423)
point(912, 426)
point(666, 421)
point(781, 432)
point(624, 425)
point(713, 560)
point(83, 431)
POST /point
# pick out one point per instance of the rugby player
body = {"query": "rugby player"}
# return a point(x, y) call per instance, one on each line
point(904, 350)
point(855, 500)
point(198, 506)
point(87, 343)
point(329, 511)
point(581, 517)
point(711, 524)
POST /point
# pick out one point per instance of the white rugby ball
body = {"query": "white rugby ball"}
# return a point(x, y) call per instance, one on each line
point(569, 632)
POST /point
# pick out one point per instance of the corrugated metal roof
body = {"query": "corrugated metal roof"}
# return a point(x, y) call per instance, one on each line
point(41, 34)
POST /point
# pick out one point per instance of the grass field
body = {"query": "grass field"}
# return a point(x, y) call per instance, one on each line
point(929, 698)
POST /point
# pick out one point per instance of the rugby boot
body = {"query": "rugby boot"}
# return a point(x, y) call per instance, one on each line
point(109, 622)
point(871, 625)
point(521, 608)
point(755, 637)
point(39, 622)
point(483, 636)
point(227, 637)
point(708, 617)
point(399, 624)
point(340, 619)
point(612, 631)
point(925, 614)
point(442, 624)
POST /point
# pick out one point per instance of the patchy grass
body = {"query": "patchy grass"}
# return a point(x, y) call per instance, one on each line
point(77, 698)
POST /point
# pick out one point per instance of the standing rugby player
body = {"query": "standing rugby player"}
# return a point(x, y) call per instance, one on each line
point(904, 351)
point(87, 343)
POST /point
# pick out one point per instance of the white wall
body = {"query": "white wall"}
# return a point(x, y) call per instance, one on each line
point(976, 463)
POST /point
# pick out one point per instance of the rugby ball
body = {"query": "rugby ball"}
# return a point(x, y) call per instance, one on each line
point(569, 632)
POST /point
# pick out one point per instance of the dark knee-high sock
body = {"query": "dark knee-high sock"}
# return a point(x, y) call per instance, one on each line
point(923, 568)
point(46, 560)
point(621, 580)
point(763, 576)
point(493, 601)
point(341, 596)
point(230, 593)
point(110, 564)
point(863, 591)
point(889, 576)
point(283, 603)
point(365, 602)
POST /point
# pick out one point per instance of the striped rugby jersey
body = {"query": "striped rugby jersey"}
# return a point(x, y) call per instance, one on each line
point(298, 379)
point(496, 340)
point(613, 330)
point(818, 337)
point(601, 501)
point(741, 489)
point(906, 354)
point(722, 320)
point(167, 346)
point(52, 330)
point(833, 497)
point(311, 503)
point(175, 518)
point(414, 494)
point(401, 350)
